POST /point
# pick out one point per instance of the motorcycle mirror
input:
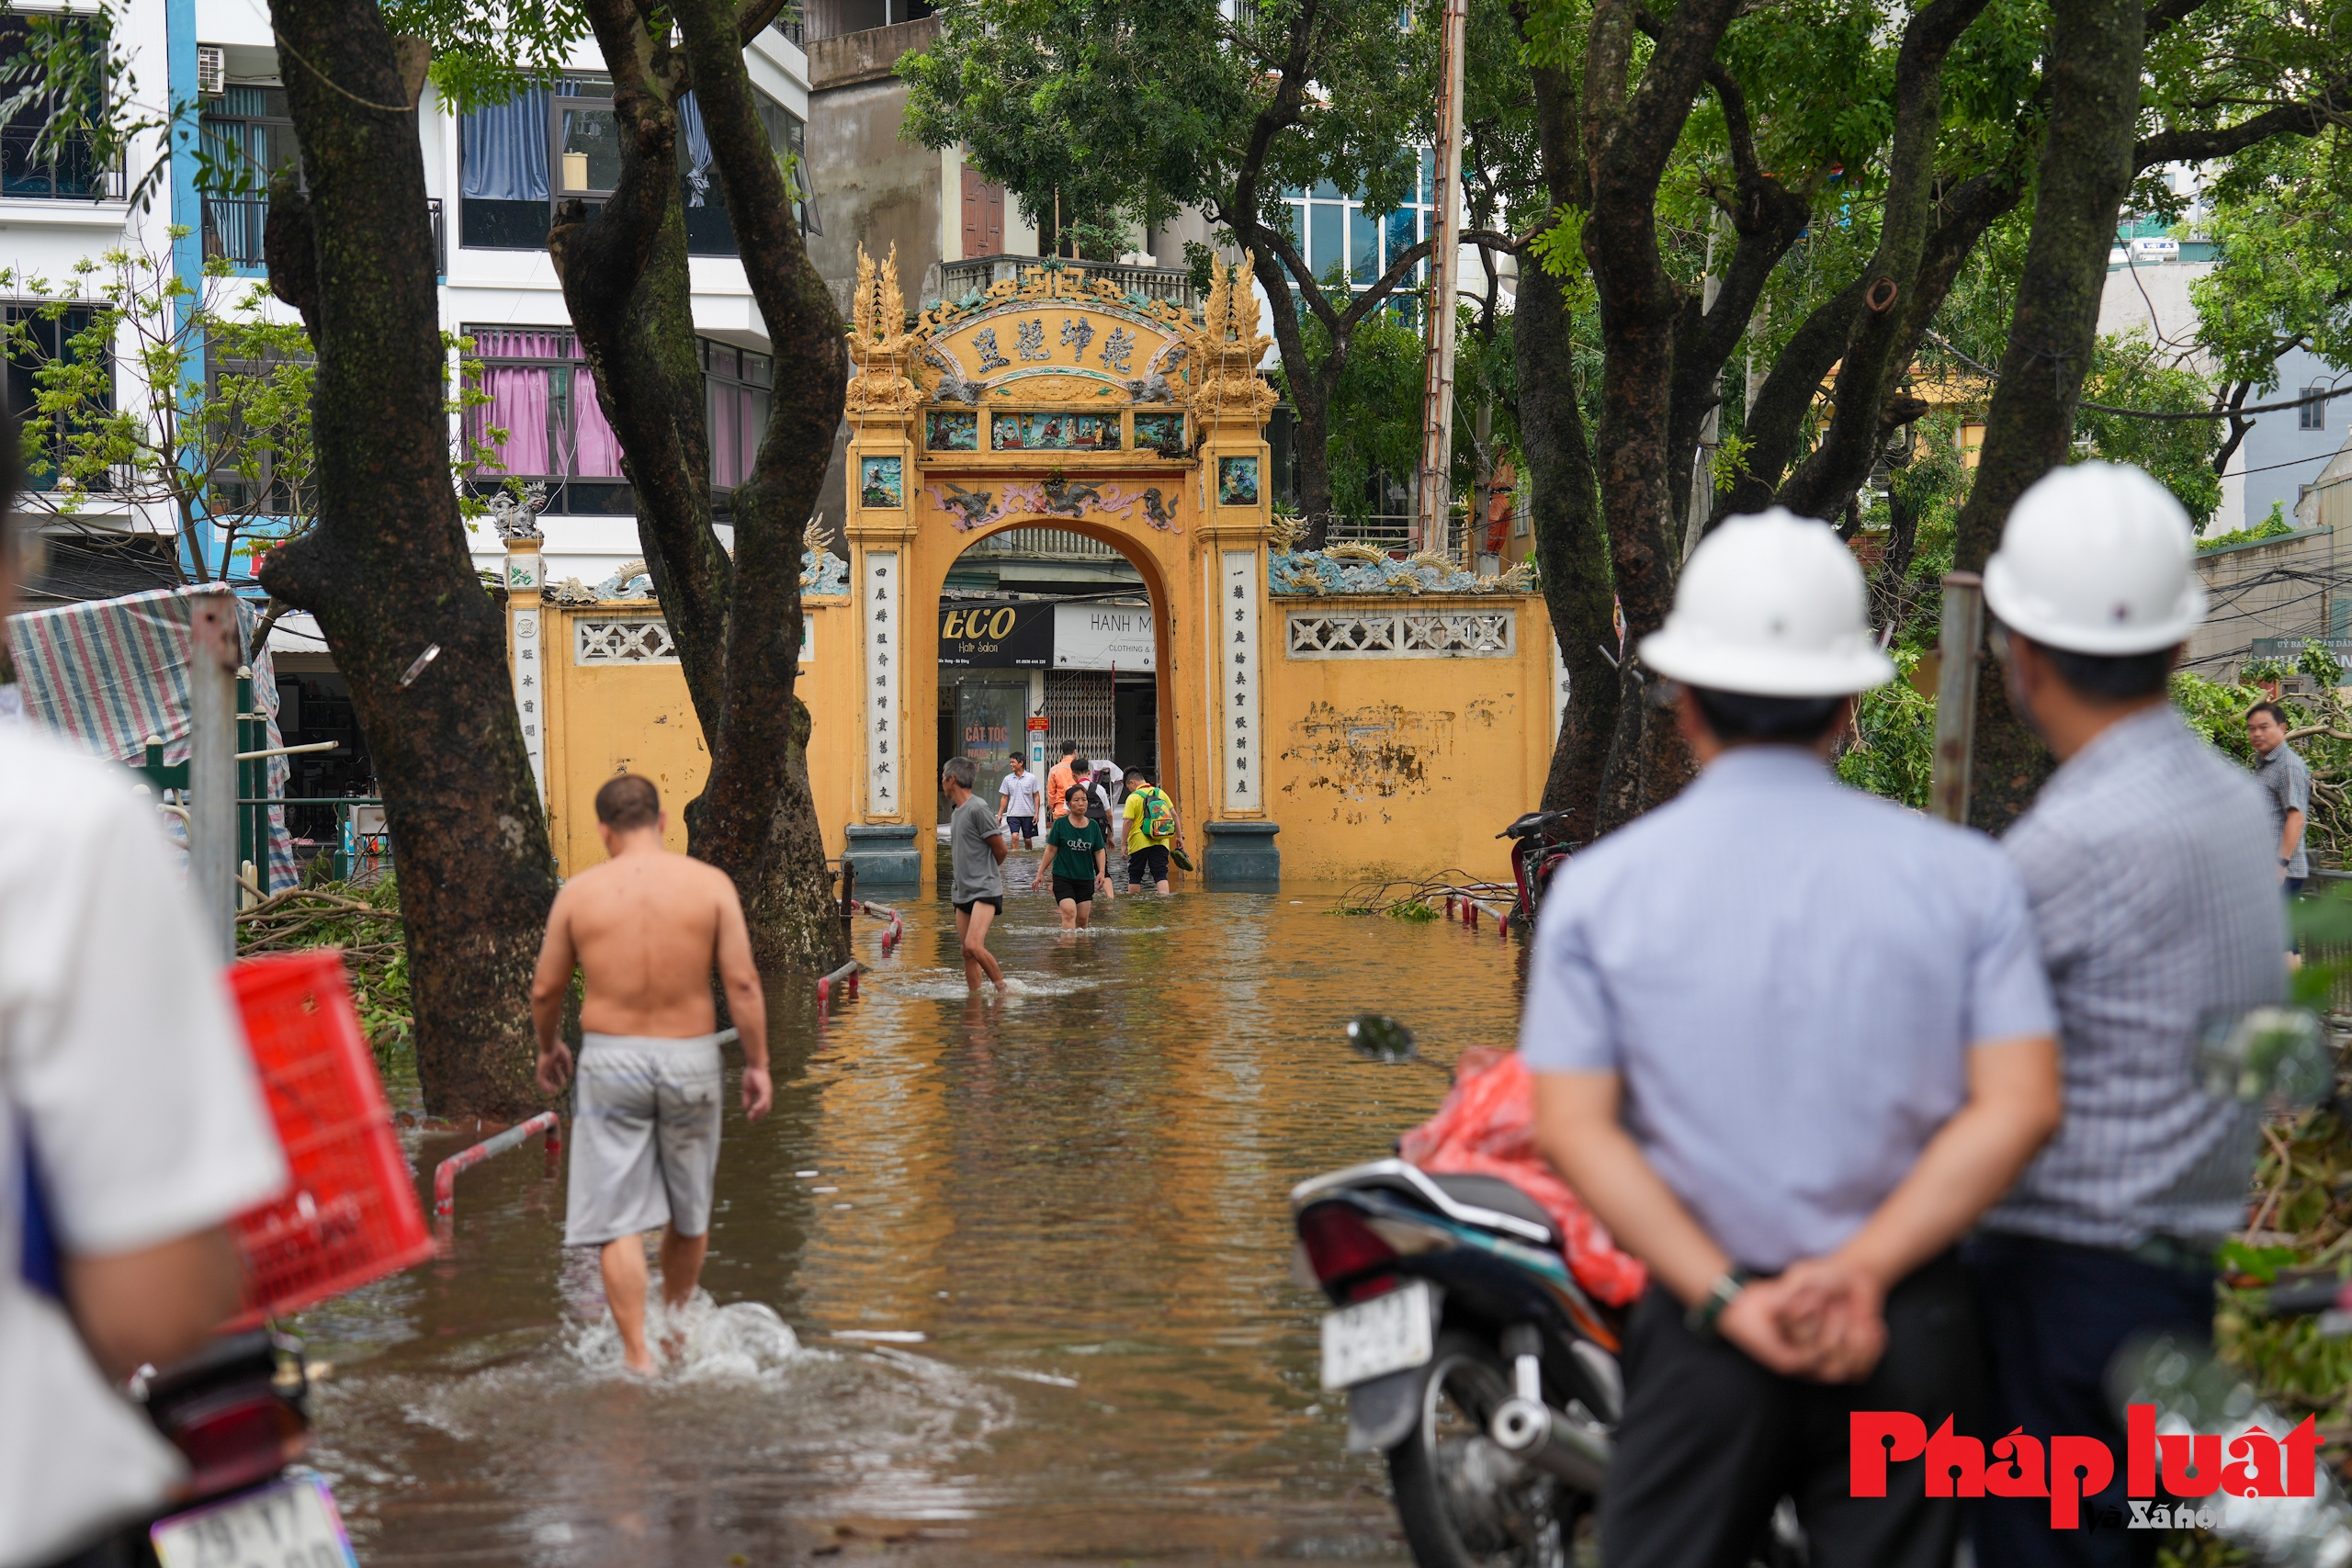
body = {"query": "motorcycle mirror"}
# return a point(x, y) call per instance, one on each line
point(1379, 1038)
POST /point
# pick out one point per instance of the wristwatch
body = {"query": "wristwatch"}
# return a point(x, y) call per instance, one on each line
point(1701, 1319)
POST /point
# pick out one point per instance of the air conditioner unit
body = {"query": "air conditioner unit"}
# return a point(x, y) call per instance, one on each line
point(211, 70)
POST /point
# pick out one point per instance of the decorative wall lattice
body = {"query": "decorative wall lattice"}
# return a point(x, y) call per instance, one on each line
point(1402, 633)
point(637, 640)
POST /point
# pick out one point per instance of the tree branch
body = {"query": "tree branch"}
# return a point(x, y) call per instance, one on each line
point(1866, 369)
point(2308, 118)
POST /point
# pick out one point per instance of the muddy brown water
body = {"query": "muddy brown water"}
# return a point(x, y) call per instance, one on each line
point(997, 1282)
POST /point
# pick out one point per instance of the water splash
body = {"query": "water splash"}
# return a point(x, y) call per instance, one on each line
point(698, 1342)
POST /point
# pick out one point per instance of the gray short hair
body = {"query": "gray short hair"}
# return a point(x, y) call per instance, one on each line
point(963, 769)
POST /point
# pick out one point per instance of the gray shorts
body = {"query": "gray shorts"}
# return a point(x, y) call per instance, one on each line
point(644, 1117)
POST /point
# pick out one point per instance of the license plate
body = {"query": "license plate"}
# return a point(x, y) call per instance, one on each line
point(1386, 1334)
point(291, 1524)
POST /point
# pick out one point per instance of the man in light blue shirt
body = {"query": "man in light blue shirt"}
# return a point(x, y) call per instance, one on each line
point(1790, 1040)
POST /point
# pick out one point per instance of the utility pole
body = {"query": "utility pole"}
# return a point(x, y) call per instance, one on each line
point(1445, 247)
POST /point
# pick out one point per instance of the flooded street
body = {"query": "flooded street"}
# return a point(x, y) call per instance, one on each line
point(1002, 1281)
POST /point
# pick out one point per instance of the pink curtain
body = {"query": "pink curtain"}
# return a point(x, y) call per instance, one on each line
point(518, 405)
point(599, 457)
point(518, 398)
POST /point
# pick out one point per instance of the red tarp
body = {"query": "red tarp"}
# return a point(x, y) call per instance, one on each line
point(1486, 1127)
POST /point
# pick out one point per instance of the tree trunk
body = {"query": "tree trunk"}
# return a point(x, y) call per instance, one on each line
point(762, 819)
point(2086, 166)
point(1886, 328)
point(386, 570)
point(1571, 549)
point(1632, 138)
point(625, 285)
point(1571, 542)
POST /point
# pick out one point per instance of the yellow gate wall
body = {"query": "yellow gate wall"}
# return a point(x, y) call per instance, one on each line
point(1410, 766)
point(1403, 765)
point(607, 718)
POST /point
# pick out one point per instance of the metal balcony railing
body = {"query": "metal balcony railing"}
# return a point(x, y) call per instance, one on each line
point(74, 176)
point(960, 279)
point(1045, 542)
point(789, 26)
point(234, 227)
point(1382, 531)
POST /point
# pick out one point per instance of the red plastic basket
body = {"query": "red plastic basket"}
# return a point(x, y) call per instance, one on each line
point(351, 1215)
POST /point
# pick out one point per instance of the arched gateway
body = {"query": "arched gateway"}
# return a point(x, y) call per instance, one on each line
point(1061, 401)
point(1389, 715)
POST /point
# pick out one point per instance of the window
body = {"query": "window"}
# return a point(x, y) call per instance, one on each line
point(52, 340)
point(2311, 416)
point(983, 216)
point(246, 131)
point(543, 396)
point(234, 380)
point(520, 157)
point(736, 385)
point(25, 168)
point(1333, 229)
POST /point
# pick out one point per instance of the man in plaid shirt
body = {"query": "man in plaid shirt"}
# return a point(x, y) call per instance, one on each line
point(2148, 862)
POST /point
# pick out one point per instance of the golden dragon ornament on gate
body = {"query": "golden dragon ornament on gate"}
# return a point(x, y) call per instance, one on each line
point(1223, 353)
point(879, 345)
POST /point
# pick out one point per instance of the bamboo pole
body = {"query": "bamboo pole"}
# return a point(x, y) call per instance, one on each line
point(213, 660)
point(1445, 245)
point(1963, 638)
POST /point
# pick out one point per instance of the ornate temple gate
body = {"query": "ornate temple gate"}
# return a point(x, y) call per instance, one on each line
point(1391, 715)
point(1060, 401)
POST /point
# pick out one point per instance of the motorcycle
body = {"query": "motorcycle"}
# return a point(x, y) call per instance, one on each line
point(1470, 1356)
point(1539, 847)
point(239, 1411)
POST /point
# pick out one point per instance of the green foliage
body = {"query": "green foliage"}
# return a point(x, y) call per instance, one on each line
point(2216, 710)
point(1896, 753)
point(2128, 371)
point(488, 53)
point(2270, 527)
point(212, 423)
point(1414, 913)
point(1485, 383)
point(2281, 216)
point(1375, 405)
point(1933, 486)
point(364, 920)
point(1128, 111)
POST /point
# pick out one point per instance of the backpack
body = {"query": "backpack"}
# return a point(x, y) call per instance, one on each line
point(1158, 816)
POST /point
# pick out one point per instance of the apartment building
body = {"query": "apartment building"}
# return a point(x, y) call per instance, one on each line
point(493, 176)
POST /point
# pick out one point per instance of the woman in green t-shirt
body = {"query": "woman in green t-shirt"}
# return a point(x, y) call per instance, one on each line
point(1075, 846)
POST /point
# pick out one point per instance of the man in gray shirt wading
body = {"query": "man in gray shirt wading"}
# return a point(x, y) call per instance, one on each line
point(1790, 1040)
point(977, 848)
point(2148, 859)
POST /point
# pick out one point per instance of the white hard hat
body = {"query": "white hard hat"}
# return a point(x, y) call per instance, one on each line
point(1771, 606)
point(2098, 558)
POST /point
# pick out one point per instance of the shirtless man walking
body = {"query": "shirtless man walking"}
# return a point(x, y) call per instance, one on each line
point(645, 929)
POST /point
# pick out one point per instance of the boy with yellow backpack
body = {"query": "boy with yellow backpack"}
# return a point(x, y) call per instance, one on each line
point(1154, 834)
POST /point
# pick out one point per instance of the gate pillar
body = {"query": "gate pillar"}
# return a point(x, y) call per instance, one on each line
point(883, 835)
point(1232, 401)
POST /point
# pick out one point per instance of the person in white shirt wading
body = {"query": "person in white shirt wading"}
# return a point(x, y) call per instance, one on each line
point(2152, 865)
point(1789, 1041)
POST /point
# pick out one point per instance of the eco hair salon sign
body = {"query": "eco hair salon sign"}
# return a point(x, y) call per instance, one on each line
point(1046, 636)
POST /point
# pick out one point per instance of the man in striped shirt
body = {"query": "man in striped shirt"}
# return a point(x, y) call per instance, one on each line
point(2148, 861)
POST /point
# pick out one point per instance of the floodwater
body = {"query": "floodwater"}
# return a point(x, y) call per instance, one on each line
point(998, 1281)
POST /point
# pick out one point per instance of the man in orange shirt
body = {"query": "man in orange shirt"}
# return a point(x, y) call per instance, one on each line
point(1064, 777)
